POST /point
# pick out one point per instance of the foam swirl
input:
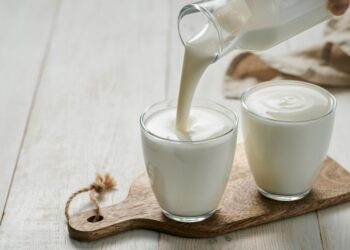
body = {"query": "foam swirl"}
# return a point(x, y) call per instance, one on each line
point(289, 101)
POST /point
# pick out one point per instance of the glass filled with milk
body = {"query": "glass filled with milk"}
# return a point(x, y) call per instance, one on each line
point(287, 127)
point(249, 24)
point(189, 170)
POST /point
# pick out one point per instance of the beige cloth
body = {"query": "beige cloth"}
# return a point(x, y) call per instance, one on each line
point(326, 64)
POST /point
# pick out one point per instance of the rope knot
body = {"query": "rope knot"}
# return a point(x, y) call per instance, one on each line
point(101, 184)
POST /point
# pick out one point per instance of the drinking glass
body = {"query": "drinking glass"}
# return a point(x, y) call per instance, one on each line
point(188, 177)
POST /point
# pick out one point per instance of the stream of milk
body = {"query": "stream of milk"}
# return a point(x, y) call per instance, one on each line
point(251, 24)
point(199, 54)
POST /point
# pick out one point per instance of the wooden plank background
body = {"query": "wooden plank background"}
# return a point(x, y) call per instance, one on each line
point(26, 29)
point(74, 78)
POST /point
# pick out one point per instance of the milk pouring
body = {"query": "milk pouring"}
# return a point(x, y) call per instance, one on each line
point(189, 145)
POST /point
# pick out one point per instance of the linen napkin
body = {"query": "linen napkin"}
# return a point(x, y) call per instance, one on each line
point(326, 64)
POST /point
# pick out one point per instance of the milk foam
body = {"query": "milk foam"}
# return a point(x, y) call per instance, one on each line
point(203, 124)
point(289, 102)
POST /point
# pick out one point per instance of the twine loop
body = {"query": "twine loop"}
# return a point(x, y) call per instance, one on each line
point(102, 183)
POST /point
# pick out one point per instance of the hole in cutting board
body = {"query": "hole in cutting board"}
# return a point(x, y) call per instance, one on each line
point(92, 218)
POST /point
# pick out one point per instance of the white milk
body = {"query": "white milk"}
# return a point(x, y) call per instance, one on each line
point(287, 127)
point(199, 54)
point(189, 171)
point(289, 102)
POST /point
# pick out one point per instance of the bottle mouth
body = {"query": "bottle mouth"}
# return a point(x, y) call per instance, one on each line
point(192, 20)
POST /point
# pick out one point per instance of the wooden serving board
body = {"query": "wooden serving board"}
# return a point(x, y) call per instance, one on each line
point(241, 206)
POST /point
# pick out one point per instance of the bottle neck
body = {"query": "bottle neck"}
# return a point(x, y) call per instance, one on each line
point(195, 20)
point(220, 20)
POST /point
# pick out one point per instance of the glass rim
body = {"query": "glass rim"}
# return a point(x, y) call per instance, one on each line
point(233, 128)
point(278, 82)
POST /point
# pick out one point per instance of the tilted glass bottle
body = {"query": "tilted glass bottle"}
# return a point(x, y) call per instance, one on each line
point(249, 24)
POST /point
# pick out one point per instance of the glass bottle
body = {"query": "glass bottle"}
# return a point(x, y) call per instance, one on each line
point(249, 24)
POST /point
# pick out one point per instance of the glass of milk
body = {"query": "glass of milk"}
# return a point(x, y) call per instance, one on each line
point(287, 127)
point(189, 171)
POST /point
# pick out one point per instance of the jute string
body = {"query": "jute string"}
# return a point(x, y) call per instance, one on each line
point(102, 183)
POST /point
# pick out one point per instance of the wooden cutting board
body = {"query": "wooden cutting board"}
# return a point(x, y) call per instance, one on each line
point(241, 206)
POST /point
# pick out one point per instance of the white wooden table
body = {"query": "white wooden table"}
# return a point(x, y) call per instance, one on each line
point(74, 77)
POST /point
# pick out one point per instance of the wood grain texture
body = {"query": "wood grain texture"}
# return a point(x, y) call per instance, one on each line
point(24, 34)
point(274, 235)
point(240, 207)
point(96, 82)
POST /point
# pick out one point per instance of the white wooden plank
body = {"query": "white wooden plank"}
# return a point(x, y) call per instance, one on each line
point(334, 224)
point(275, 235)
point(106, 63)
point(296, 233)
point(25, 29)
